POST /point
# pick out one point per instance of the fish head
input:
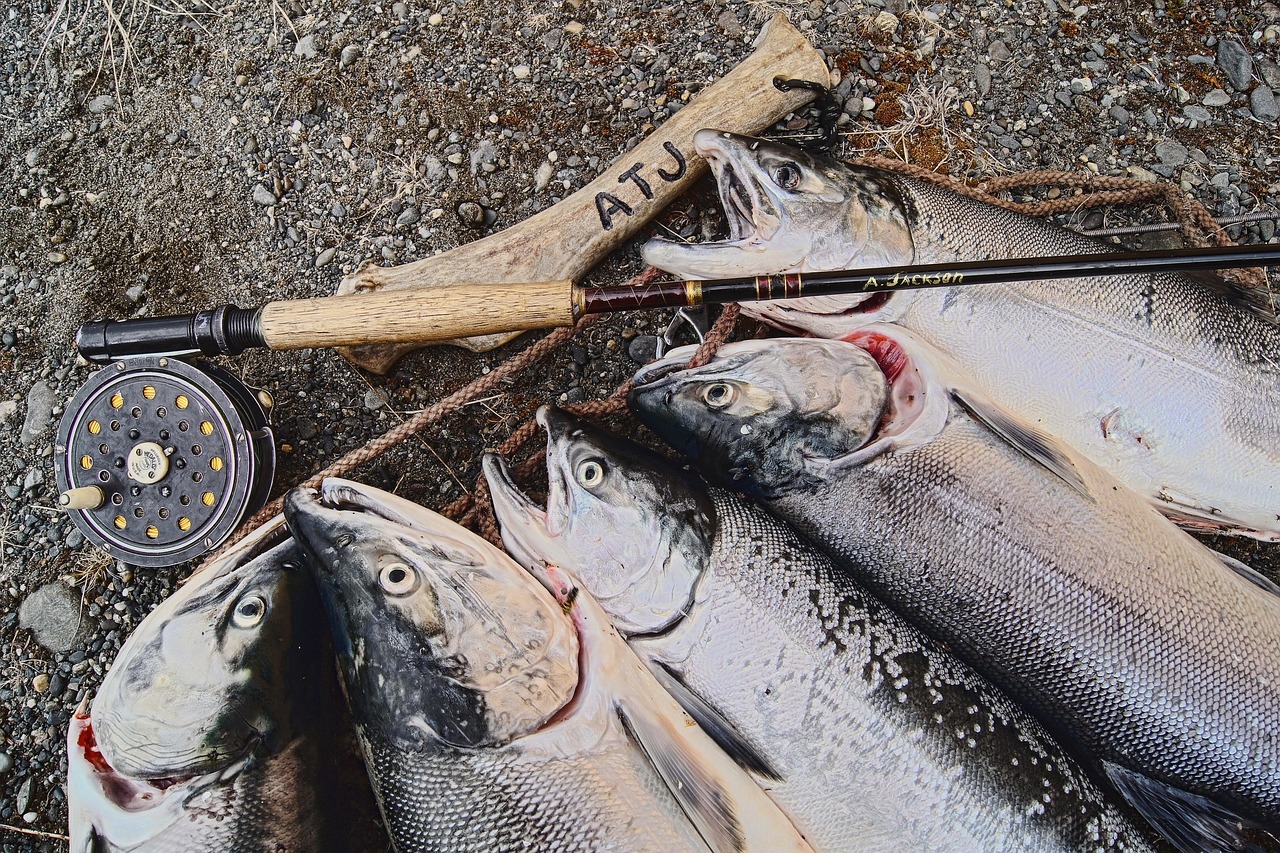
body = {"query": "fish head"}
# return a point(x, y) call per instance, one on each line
point(763, 413)
point(440, 636)
point(213, 672)
point(793, 211)
point(635, 530)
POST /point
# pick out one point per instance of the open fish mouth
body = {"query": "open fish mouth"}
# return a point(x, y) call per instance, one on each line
point(736, 199)
point(133, 794)
point(748, 211)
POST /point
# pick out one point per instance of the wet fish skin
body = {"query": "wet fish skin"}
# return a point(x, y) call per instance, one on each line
point(493, 716)
point(235, 649)
point(1171, 382)
point(1124, 635)
point(876, 738)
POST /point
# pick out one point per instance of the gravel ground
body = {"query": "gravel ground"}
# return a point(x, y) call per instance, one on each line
point(160, 158)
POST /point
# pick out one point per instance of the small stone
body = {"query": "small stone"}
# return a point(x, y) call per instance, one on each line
point(57, 257)
point(134, 293)
point(982, 78)
point(40, 683)
point(573, 28)
point(32, 158)
point(643, 348)
point(407, 217)
point(8, 408)
point(101, 104)
point(1195, 112)
point(1216, 98)
point(884, 22)
point(1263, 103)
point(52, 614)
point(24, 795)
point(6, 763)
point(1171, 153)
point(1236, 63)
point(1140, 174)
point(1080, 85)
point(728, 24)
point(999, 51)
point(307, 47)
point(436, 19)
point(521, 72)
point(400, 10)
point(349, 54)
point(263, 196)
point(1270, 72)
point(326, 256)
point(543, 176)
point(306, 428)
point(374, 401)
point(40, 402)
point(475, 215)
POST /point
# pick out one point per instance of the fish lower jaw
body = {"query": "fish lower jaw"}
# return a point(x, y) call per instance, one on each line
point(749, 256)
point(136, 795)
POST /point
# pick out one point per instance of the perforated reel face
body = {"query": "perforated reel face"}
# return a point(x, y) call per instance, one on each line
point(178, 457)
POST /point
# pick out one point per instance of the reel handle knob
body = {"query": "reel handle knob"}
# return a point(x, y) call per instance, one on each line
point(84, 497)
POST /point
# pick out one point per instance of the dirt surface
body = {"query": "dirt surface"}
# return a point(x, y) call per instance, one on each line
point(160, 159)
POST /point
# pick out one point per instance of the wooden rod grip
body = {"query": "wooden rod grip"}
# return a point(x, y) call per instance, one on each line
point(417, 316)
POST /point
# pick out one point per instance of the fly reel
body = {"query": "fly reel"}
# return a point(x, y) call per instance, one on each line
point(158, 461)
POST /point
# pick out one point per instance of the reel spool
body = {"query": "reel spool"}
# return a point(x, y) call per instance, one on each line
point(158, 461)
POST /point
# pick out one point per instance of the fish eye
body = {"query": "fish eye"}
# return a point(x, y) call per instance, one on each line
point(249, 611)
point(717, 395)
point(787, 176)
point(589, 473)
point(398, 579)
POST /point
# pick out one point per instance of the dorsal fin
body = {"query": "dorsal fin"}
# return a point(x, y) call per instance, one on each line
point(1027, 440)
point(714, 723)
point(1191, 822)
point(1257, 301)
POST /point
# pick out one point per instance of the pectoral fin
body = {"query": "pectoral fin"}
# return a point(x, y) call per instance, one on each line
point(1027, 440)
point(1247, 572)
point(723, 732)
point(697, 791)
point(1191, 822)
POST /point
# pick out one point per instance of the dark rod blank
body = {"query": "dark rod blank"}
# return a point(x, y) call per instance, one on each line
point(431, 314)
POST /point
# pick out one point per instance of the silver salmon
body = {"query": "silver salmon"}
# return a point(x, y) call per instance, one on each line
point(1171, 382)
point(870, 735)
point(496, 717)
point(220, 726)
point(1123, 634)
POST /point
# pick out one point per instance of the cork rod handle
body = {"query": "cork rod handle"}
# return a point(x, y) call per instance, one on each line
point(417, 316)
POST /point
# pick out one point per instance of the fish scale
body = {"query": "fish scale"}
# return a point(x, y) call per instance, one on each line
point(886, 716)
point(466, 802)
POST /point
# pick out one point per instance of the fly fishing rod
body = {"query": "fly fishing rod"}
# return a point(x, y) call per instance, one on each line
point(439, 314)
